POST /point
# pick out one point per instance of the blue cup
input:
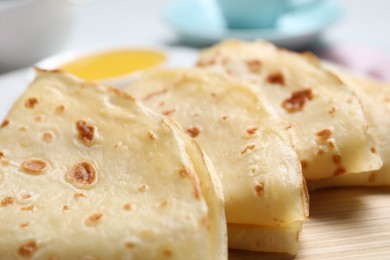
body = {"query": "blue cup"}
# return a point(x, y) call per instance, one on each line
point(257, 14)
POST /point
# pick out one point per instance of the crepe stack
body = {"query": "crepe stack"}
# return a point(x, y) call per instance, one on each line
point(328, 124)
point(375, 99)
point(265, 194)
point(88, 173)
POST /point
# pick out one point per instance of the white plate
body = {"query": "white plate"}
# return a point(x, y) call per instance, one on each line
point(293, 30)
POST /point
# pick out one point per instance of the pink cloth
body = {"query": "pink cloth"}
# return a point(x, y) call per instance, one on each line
point(362, 60)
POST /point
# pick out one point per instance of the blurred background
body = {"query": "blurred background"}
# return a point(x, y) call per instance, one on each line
point(354, 33)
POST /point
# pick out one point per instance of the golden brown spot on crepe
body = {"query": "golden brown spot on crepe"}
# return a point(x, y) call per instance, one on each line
point(168, 112)
point(151, 135)
point(205, 221)
point(184, 172)
point(336, 159)
point(324, 134)
point(339, 171)
point(155, 93)
point(225, 60)
point(213, 59)
point(25, 196)
point(24, 225)
point(28, 208)
point(1, 154)
point(254, 81)
point(251, 131)
point(112, 89)
point(5, 123)
point(7, 201)
point(276, 78)
point(38, 118)
point(117, 145)
point(129, 245)
point(143, 188)
point(4, 162)
point(200, 63)
point(85, 131)
point(249, 147)
point(60, 108)
point(48, 136)
point(214, 95)
point(205, 63)
point(372, 177)
point(164, 203)
point(332, 110)
point(225, 118)
point(168, 253)
point(94, 218)
point(304, 164)
point(259, 188)
point(22, 128)
point(253, 170)
point(78, 195)
point(146, 233)
point(195, 115)
point(34, 166)
point(331, 144)
point(65, 207)
point(28, 249)
point(253, 65)
point(229, 71)
point(128, 206)
point(193, 131)
point(81, 175)
point(297, 100)
point(373, 149)
point(31, 103)
point(197, 191)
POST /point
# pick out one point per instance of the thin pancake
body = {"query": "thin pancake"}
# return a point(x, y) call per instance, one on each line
point(87, 172)
point(375, 99)
point(249, 146)
point(332, 136)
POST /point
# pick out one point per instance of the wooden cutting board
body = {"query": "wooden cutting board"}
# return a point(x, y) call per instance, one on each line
point(343, 224)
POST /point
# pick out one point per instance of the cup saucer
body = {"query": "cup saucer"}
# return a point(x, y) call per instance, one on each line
point(294, 29)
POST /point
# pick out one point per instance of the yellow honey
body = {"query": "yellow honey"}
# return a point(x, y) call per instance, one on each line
point(112, 64)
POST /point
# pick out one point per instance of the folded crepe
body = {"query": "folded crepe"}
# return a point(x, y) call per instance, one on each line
point(265, 193)
point(331, 132)
point(375, 99)
point(88, 173)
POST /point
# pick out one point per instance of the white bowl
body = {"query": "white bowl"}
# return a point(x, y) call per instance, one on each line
point(33, 29)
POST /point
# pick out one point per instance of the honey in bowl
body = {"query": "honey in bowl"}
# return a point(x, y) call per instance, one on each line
point(112, 64)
